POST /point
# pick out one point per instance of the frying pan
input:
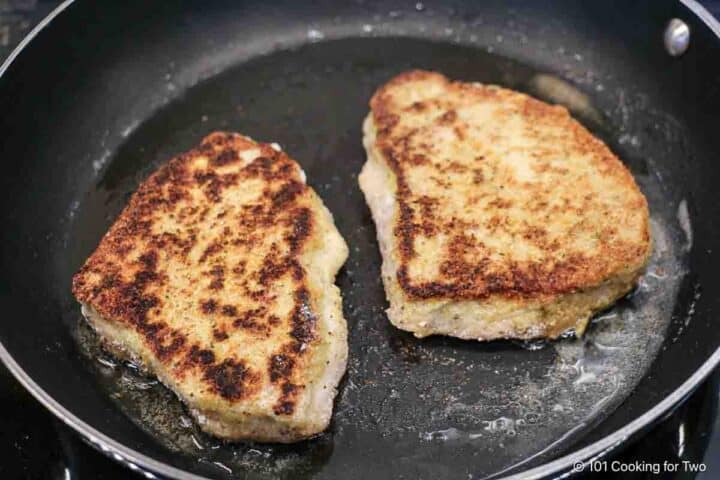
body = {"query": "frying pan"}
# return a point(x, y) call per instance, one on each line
point(103, 92)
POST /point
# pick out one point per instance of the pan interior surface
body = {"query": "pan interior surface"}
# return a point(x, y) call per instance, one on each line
point(135, 83)
point(431, 407)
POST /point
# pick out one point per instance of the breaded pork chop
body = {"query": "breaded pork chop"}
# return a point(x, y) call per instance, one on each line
point(218, 278)
point(497, 215)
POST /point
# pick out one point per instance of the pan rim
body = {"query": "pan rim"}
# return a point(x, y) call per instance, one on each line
point(135, 459)
point(138, 461)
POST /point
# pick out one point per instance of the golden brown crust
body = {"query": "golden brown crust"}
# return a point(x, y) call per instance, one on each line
point(225, 223)
point(501, 194)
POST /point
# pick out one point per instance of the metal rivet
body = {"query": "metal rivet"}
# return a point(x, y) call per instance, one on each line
point(676, 37)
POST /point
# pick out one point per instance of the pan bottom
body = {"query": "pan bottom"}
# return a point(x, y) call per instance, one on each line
point(421, 408)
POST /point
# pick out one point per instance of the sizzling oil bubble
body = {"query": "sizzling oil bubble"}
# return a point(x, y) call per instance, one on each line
point(505, 425)
point(107, 362)
point(532, 345)
point(450, 434)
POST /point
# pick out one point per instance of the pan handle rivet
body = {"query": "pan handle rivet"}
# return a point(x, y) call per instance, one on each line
point(676, 37)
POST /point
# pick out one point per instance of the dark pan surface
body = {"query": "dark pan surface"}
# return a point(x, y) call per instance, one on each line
point(419, 409)
point(433, 406)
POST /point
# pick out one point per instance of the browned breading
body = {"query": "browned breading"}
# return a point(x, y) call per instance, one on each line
point(209, 278)
point(498, 195)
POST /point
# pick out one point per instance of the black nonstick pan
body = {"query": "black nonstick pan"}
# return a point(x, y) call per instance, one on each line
point(103, 92)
